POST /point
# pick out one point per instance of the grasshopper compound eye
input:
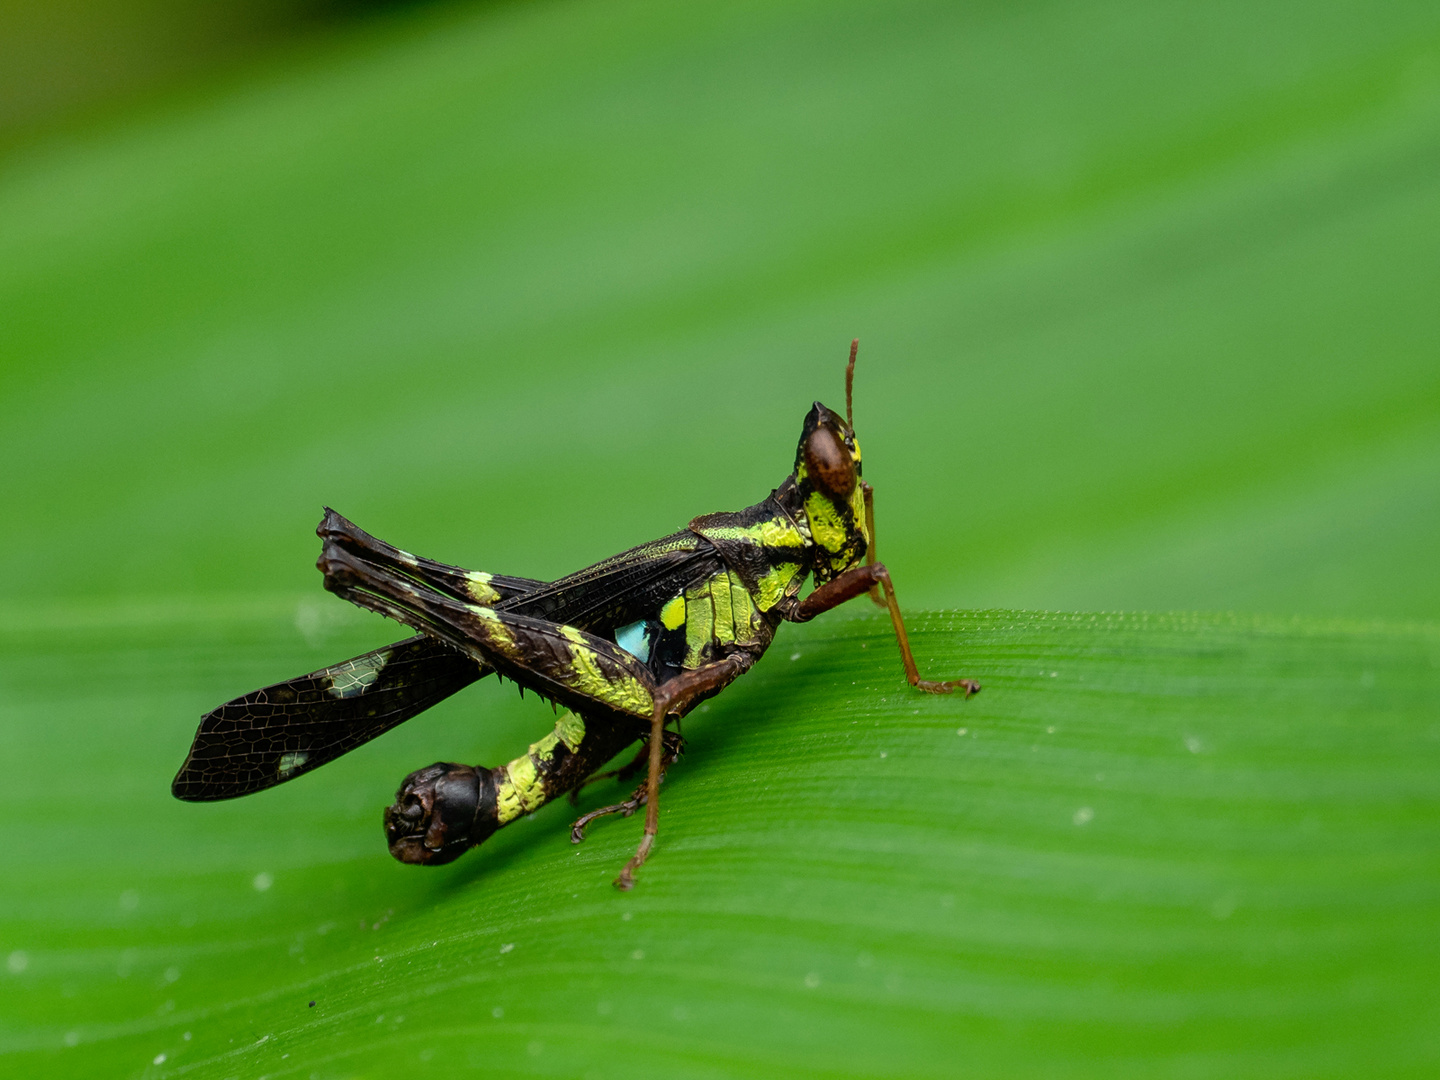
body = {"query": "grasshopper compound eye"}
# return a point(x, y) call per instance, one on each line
point(829, 464)
point(438, 814)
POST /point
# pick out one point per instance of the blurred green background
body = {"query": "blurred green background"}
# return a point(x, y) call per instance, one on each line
point(1147, 305)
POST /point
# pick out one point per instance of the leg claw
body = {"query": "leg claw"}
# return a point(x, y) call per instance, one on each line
point(626, 808)
point(626, 881)
point(970, 686)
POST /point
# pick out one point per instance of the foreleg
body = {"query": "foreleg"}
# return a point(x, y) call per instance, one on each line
point(870, 559)
point(861, 579)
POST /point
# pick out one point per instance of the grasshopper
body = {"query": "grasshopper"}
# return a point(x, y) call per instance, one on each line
point(625, 647)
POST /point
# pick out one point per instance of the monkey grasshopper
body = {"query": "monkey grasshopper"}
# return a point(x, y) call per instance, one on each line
point(624, 646)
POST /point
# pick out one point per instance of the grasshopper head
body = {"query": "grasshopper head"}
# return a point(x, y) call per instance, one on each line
point(827, 481)
point(827, 474)
point(439, 813)
point(828, 455)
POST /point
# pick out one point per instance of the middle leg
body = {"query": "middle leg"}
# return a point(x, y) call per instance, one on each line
point(674, 747)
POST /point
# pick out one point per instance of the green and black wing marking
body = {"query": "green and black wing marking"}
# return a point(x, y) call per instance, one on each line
point(280, 732)
point(283, 731)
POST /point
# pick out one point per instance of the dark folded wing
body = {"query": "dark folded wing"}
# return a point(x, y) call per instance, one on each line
point(623, 588)
point(282, 731)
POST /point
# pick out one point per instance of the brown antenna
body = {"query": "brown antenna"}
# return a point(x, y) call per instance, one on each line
point(850, 383)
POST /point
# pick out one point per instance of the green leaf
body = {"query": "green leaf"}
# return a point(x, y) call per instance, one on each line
point(1146, 300)
point(1153, 845)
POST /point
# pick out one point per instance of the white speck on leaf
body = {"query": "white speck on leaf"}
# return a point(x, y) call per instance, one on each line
point(159, 1059)
point(262, 881)
point(18, 961)
point(497, 1012)
point(795, 656)
point(1084, 815)
point(1193, 744)
point(507, 947)
point(812, 980)
point(638, 954)
point(961, 731)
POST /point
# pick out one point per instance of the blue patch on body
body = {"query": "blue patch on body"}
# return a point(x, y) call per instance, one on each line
point(637, 639)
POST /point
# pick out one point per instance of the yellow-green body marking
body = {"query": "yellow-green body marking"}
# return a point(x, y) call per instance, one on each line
point(520, 787)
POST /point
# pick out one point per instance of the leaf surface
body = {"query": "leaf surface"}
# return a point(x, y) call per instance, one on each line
point(1151, 846)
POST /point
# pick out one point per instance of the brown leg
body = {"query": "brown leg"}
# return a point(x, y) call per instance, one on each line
point(628, 807)
point(674, 746)
point(870, 531)
point(624, 773)
point(626, 880)
point(861, 579)
point(675, 696)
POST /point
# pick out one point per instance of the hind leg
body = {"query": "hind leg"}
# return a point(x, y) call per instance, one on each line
point(675, 696)
point(574, 668)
